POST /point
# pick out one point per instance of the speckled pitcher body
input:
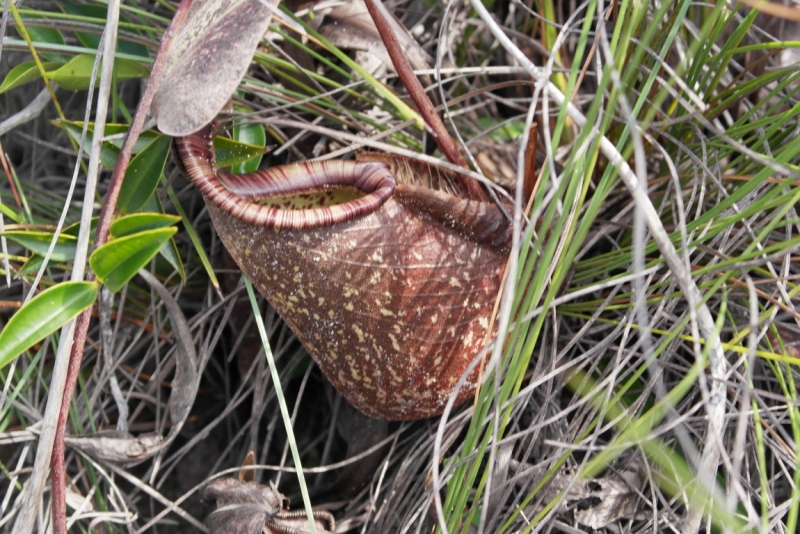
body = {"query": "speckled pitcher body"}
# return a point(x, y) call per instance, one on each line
point(389, 286)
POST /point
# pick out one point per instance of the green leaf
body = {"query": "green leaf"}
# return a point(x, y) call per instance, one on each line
point(140, 222)
point(33, 264)
point(24, 73)
point(198, 245)
point(108, 152)
point(110, 149)
point(75, 228)
point(170, 249)
point(8, 212)
point(118, 261)
point(75, 75)
point(74, 129)
point(43, 315)
point(170, 253)
point(38, 242)
point(230, 152)
point(100, 14)
point(252, 134)
point(142, 175)
point(48, 36)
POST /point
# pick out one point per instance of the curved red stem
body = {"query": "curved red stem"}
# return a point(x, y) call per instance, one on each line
point(414, 87)
point(58, 469)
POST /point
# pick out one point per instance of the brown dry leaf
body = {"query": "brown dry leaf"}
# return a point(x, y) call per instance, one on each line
point(76, 501)
point(776, 9)
point(207, 61)
point(611, 498)
point(251, 508)
point(790, 56)
point(350, 26)
point(184, 383)
point(117, 447)
point(241, 507)
point(600, 501)
point(248, 475)
point(496, 169)
point(790, 337)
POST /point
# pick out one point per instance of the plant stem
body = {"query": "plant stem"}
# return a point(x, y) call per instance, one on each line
point(58, 476)
point(414, 88)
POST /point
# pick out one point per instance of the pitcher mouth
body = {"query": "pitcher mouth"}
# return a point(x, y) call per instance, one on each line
point(301, 195)
point(320, 198)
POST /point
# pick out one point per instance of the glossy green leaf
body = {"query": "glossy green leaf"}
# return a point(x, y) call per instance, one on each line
point(99, 13)
point(8, 212)
point(170, 250)
point(171, 253)
point(116, 132)
point(75, 228)
point(38, 242)
point(31, 266)
point(252, 134)
point(142, 175)
point(43, 315)
point(198, 245)
point(108, 152)
point(230, 152)
point(141, 222)
point(24, 73)
point(110, 149)
point(51, 36)
point(119, 260)
point(75, 75)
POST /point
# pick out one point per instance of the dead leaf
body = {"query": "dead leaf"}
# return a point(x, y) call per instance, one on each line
point(496, 169)
point(248, 475)
point(184, 383)
point(790, 336)
point(76, 501)
point(241, 507)
point(599, 501)
point(207, 61)
point(791, 55)
point(117, 447)
point(251, 508)
point(350, 26)
point(609, 499)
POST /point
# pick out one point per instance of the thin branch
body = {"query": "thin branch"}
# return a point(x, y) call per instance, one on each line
point(109, 204)
point(59, 487)
point(28, 113)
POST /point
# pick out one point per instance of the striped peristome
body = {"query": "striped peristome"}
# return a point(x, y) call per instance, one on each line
point(373, 179)
point(390, 288)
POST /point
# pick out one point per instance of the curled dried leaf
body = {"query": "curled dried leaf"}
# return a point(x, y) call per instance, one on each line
point(251, 508)
point(599, 501)
point(350, 26)
point(118, 447)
